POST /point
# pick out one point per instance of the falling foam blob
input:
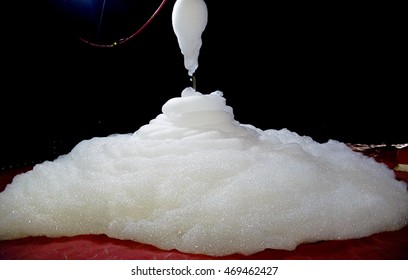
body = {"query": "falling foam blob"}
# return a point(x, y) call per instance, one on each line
point(189, 20)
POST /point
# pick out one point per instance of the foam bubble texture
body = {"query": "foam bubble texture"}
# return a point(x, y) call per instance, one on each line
point(196, 180)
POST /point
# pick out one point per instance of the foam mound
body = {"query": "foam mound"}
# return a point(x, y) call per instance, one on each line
point(196, 180)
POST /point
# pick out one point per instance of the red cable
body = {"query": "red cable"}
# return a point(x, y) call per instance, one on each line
point(121, 41)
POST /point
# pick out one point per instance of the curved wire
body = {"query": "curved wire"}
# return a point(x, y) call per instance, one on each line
point(123, 40)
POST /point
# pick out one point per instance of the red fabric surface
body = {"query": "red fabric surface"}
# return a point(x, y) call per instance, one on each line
point(381, 246)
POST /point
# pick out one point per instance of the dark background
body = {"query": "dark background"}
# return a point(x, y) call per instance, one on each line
point(329, 71)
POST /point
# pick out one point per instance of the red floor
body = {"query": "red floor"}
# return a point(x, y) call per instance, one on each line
point(381, 246)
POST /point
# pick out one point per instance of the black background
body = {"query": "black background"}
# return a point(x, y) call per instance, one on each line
point(329, 71)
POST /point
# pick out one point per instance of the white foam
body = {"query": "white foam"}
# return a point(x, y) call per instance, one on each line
point(197, 180)
point(189, 19)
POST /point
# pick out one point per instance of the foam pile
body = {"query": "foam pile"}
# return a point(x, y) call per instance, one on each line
point(196, 180)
